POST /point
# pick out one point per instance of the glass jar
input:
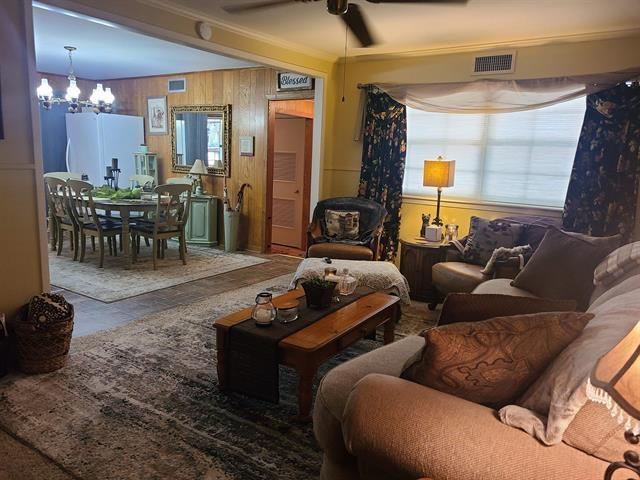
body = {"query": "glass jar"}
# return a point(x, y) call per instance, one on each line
point(348, 283)
point(264, 312)
point(288, 311)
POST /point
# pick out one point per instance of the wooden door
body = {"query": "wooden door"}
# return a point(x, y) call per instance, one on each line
point(288, 180)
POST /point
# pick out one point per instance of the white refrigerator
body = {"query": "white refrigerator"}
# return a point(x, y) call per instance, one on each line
point(93, 140)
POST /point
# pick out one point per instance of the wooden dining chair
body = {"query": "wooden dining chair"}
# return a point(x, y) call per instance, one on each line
point(172, 212)
point(89, 222)
point(60, 216)
point(50, 217)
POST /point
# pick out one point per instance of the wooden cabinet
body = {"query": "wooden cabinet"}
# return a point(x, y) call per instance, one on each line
point(147, 164)
point(202, 224)
point(416, 260)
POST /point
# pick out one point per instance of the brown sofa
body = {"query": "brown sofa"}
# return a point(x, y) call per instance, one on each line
point(457, 276)
point(373, 425)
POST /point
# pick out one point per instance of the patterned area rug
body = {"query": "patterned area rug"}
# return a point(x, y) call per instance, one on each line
point(141, 401)
point(113, 282)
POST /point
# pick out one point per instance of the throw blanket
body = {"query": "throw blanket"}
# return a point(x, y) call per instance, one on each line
point(379, 276)
point(617, 264)
point(551, 403)
point(505, 253)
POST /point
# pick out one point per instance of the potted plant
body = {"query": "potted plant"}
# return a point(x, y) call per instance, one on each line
point(318, 292)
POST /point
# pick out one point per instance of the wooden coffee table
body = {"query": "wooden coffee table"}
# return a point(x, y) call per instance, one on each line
point(307, 349)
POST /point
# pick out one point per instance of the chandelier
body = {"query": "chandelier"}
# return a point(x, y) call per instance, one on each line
point(101, 99)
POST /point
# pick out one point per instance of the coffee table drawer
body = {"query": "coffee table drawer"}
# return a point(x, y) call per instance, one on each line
point(353, 336)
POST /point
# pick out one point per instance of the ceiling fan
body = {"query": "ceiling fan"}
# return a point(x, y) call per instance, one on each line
point(349, 12)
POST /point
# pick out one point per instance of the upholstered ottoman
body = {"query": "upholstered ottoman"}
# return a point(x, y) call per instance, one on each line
point(380, 276)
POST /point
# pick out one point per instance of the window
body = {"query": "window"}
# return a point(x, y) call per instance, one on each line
point(521, 158)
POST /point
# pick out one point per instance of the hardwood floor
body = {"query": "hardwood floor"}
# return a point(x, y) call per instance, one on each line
point(285, 250)
point(93, 315)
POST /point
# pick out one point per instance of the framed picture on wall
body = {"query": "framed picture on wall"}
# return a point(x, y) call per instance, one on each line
point(247, 146)
point(157, 116)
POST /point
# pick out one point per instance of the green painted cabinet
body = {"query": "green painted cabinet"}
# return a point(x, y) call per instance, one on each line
point(202, 224)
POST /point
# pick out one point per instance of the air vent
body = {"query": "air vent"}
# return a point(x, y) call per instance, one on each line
point(503, 62)
point(177, 85)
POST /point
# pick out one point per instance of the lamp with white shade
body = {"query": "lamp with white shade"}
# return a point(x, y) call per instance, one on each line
point(615, 383)
point(199, 169)
point(439, 173)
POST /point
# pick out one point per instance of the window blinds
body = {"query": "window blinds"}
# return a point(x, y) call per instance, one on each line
point(519, 158)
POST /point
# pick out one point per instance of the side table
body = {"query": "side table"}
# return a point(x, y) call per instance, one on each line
point(416, 259)
point(202, 224)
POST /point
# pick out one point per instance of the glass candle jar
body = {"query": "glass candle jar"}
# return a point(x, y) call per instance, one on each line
point(264, 312)
point(288, 311)
point(348, 283)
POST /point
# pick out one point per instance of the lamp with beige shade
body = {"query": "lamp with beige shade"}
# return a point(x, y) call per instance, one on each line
point(199, 169)
point(615, 382)
point(439, 173)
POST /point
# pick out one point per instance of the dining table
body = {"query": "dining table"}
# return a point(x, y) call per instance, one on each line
point(124, 209)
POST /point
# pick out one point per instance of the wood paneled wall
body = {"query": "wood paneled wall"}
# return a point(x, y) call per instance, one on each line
point(246, 90)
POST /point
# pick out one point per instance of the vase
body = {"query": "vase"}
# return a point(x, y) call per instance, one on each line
point(231, 225)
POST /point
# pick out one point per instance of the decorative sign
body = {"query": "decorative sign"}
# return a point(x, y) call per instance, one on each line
point(294, 81)
point(247, 146)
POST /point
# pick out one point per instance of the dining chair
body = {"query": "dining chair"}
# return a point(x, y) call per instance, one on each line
point(172, 212)
point(180, 181)
point(89, 222)
point(60, 215)
point(51, 220)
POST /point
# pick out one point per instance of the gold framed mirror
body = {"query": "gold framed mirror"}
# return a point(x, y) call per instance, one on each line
point(201, 132)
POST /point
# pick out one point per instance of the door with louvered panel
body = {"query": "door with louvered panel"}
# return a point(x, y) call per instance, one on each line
point(288, 181)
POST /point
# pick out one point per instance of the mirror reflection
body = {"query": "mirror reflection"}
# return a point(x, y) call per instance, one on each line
point(200, 132)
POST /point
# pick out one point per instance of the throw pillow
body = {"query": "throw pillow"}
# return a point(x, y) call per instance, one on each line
point(474, 307)
point(494, 361)
point(562, 266)
point(618, 264)
point(342, 224)
point(487, 235)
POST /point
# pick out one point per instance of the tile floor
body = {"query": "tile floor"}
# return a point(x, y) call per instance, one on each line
point(93, 315)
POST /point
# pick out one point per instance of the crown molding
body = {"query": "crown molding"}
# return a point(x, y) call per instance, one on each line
point(476, 47)
point(238, 29)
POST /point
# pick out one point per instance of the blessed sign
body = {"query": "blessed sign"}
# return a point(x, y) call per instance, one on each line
point(294, 81)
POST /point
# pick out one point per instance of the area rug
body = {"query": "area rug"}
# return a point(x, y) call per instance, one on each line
point(141, 401)
point(114, 282)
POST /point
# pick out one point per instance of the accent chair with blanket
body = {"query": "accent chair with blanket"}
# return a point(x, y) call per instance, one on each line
point(346, 228)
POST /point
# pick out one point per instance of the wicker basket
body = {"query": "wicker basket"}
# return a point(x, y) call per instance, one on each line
point(42, 350)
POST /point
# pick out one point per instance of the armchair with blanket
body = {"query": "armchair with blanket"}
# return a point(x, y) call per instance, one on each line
point(361, 246)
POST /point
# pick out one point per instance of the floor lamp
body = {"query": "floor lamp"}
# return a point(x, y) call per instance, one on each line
point(439, 173)
point(615, 382)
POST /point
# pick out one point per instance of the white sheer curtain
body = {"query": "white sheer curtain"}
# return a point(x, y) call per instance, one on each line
point(500, 96)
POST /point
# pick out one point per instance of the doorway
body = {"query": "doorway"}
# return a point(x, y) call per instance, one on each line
point(289, 164)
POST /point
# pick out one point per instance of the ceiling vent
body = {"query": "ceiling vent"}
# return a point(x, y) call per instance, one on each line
point(503, 62)
point(177, 85)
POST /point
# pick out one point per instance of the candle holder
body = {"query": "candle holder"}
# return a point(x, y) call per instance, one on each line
point(116, 177)
point(109, 179)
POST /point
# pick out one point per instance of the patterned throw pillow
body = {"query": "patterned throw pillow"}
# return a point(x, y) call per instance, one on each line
point(342, 224)
point(617, 264)
point(487, 235)
point(494, 361)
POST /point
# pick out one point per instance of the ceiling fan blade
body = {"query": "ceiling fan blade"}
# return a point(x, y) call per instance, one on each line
point(357, 24)
point(417, 1)
point(255, 6)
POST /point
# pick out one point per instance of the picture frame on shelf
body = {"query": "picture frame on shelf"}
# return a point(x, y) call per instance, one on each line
point(157, 116)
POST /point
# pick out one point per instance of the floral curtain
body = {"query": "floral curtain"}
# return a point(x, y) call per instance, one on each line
point(603, 190)
point(383, 156)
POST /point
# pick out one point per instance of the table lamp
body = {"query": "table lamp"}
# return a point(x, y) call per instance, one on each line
point(615, 382)
point(439, 173)
point(199, 169)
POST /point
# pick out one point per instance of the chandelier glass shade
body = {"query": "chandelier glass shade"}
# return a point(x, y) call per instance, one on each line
point(101, 100)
